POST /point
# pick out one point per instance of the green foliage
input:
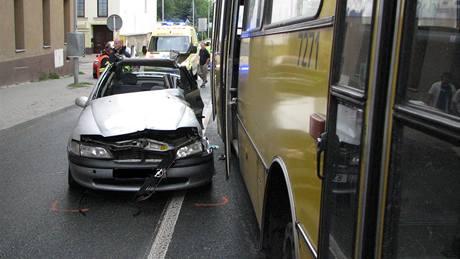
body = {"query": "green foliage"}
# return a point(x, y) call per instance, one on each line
point(181, 10)
point(43, 77)
point(81, 84)
point(53, 75)
point(46, 76)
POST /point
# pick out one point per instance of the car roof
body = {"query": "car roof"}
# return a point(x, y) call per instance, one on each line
point(167, 63)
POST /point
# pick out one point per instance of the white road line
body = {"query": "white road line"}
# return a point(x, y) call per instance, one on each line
point(165, 232)
point(170, 216)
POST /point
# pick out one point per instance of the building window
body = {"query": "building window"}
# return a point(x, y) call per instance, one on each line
point(81, 8)
point(67, 27)
point(19, 24)
point(46, 22)
point(102, 8)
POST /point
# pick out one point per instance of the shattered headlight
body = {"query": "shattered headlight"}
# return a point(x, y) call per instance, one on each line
point(88, 151)
point(189, 150)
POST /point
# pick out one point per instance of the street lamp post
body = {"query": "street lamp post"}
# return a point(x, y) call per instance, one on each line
point(207, 22)
point(193, 12)
point(163, 10)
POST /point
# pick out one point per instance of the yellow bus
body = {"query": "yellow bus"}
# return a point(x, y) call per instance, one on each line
point(166, 39)
point(344, 120)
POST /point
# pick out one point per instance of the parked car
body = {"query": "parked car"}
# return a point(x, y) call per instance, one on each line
point(140, 111)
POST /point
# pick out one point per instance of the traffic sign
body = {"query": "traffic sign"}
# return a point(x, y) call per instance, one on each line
point(114, 22)
point(202, 24)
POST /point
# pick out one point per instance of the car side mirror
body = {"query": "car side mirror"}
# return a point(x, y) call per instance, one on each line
point(193, 49)
point(81, 101)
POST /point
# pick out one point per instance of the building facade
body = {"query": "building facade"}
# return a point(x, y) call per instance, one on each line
point(139, 17)
point(33, 38)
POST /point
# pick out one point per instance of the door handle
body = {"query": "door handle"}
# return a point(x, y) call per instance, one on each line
point(234, 101)
point(320, 148)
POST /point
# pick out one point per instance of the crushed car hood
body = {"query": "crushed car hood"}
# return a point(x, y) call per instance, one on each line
point(132, 112)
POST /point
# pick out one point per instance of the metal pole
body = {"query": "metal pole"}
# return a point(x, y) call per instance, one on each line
point(207, 23)
point(114, 26)
point(163, 10)
point(75, 59)
point(193, 12)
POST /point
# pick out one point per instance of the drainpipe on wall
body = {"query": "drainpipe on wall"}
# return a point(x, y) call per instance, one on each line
point(75, 59)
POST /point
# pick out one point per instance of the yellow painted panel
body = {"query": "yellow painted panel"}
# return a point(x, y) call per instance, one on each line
point(283, 79)
point(248, 166)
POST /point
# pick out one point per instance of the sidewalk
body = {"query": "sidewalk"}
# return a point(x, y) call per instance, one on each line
point(26, 101)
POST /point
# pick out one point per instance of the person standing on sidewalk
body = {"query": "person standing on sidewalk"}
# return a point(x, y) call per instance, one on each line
point(203, 66)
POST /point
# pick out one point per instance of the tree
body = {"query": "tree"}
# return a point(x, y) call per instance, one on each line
point(181, 10)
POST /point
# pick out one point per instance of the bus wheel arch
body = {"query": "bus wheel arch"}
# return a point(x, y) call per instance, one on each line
point(278, 211)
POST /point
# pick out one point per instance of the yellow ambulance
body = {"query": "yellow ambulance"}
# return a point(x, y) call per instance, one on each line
point(168, 40)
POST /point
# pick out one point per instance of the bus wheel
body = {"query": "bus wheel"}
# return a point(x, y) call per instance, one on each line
point(288, 242)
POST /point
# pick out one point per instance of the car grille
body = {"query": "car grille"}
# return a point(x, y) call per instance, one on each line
point(134, 153)
point(137, 154)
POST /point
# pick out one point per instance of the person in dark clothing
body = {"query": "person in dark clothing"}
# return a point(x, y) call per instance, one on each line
point(203, 66)
point(441, 93)
point(119, 51)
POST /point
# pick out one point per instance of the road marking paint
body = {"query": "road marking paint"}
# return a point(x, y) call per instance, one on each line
point(222, 203)
point(165, 231)
point(171, 215)
point(55, 208)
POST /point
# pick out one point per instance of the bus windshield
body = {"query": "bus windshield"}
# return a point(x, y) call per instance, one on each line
point(167, 43)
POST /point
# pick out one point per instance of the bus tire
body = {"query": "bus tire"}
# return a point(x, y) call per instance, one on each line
point(288, 242)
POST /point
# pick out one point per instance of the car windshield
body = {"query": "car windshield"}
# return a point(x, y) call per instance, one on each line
point(167, 43)
point(130, 79)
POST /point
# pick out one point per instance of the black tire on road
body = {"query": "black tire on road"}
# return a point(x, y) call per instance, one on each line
point(288, 242)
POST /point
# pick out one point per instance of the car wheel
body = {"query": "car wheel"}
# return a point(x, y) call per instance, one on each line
point(207, 186)
point(94, 75)
point(71, 181)
point(288, 242)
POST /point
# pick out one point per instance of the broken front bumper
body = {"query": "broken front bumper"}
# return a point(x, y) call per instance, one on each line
point(115, 176)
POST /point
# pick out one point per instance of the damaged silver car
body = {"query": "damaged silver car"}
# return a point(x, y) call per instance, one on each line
point(140, 114)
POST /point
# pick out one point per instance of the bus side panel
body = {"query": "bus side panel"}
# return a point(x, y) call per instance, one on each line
point(283, 79)
point(248, 163)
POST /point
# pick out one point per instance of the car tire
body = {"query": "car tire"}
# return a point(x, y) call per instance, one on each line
point(94, 75)
point(207, 186)
point(288, 242)
point(73, 185)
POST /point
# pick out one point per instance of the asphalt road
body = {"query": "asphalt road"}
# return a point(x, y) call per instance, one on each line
point(41, 218)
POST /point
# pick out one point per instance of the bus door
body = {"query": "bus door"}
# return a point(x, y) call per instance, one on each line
point(231, 90)
point(420, 194)
point(344, 136)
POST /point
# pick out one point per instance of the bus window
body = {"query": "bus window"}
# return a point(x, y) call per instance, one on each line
point(354, 44)
point(424, 215)
point(253, 15)
point(285, 10)
point(431, 57)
